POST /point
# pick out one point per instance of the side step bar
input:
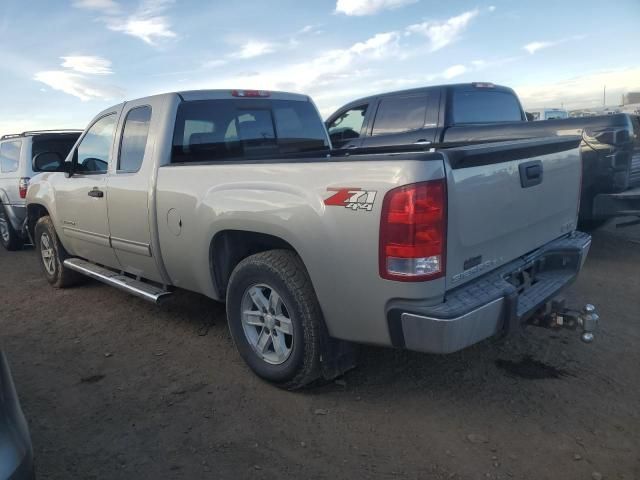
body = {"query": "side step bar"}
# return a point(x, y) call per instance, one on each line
point(135, 287)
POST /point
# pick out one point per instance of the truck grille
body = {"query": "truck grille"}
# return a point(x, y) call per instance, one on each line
point(634, 178)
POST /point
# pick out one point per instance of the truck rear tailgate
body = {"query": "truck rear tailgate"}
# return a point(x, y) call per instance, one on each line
point(506, 199)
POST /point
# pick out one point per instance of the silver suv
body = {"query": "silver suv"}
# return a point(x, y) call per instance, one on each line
point(22, 156)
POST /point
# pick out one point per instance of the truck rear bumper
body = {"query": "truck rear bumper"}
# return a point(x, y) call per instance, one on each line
point(608, 205)
point(502, 300)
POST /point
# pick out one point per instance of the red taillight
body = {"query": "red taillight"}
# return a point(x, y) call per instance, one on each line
point(413, 232)
point(23, 184)
point(250, 93)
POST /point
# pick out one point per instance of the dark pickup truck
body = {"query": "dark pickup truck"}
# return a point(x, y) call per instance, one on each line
point(464, 114)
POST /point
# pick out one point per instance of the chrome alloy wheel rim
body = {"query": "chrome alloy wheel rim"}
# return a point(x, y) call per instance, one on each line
point(267, 325)
point(48, 257)
point(4, 227)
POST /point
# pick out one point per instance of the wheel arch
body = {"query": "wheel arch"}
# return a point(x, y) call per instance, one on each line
point(35, 211)
point(229, 247)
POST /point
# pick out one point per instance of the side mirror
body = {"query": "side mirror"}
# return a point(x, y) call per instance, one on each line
point(68, 169)
point(48, 162)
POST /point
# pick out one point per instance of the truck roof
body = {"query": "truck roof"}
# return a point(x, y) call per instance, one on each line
point(217, 94)
point(221, 94)
point(33, 133)
point(453, 86)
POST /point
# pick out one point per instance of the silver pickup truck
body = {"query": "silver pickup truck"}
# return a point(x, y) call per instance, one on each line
point(237, 195)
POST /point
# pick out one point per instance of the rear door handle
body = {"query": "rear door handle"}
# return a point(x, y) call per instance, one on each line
point(531, 173)
point(422, 141)
point(351, 147)
point(96, 193)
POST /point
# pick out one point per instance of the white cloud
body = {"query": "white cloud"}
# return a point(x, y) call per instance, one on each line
point(378, 46)
point(454, 71)
point(368, 7)
point(533, 47)
point(77, 85)
point(147, 22)
point(583, 91)
point(214, 63)
point(146, 29)
point(106, 6)
point(88, 64)
point(254, 48)
point(442, 33)
point(79, 78)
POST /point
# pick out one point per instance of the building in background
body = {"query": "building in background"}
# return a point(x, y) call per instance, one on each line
point(630, 98)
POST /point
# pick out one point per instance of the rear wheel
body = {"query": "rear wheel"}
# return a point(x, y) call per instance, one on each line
point(9, 237)
point(275, 319)
point(52, 255)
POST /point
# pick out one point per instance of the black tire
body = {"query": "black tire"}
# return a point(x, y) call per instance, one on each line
point(11, 239)
point(45, 238)
point(284, 272)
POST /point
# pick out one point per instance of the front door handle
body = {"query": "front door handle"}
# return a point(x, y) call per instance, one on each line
point(422, 141)
point(95, 193)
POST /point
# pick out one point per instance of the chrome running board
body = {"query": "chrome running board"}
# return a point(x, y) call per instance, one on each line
point(135, 287)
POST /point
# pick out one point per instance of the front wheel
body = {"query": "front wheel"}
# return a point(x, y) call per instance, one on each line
point(52, 255)
point(275, 319)
point(9, 237)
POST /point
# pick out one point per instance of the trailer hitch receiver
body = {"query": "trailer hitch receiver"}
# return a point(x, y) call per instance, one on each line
point(557, 315)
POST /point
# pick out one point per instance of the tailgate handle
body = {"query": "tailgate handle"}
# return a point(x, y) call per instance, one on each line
point(530, 173)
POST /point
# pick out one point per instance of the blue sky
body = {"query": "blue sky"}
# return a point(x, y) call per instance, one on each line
point(61, 62)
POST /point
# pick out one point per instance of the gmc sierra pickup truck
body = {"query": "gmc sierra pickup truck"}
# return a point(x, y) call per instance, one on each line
point(454, 115)
point(238, 196)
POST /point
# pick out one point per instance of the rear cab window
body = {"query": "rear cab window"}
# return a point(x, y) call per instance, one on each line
point(485, 106)
point(233, 130)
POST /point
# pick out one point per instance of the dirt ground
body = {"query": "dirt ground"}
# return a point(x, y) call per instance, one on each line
point(114, 387)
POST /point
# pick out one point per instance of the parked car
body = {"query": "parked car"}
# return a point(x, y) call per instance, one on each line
point(238, 196)
point(547, 114)
point(16, 452)
point(22, 156)
point(465, 114)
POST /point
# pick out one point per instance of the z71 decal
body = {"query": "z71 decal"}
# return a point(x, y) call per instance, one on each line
point(353, 198)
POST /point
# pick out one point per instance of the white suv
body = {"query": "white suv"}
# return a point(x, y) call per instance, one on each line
point(22, 156)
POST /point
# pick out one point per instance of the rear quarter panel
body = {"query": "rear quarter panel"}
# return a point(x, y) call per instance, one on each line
point(338, 246)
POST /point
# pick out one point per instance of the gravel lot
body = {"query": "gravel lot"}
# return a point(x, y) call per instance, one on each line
point(114, 387)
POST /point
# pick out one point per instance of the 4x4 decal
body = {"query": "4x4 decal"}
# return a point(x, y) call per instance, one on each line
point(353, 198)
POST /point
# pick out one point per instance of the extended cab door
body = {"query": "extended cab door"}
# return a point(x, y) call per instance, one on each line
point(131, 186)
point(81, 199)
point(404, 119)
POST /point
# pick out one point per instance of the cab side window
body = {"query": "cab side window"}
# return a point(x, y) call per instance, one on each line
point(134, 139)
point(10, 156)
point(347, 126)
point(94, 149)
point(400, 114)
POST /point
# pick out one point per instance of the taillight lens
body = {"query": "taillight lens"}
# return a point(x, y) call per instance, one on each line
point(23, 184)
point(413, 232)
